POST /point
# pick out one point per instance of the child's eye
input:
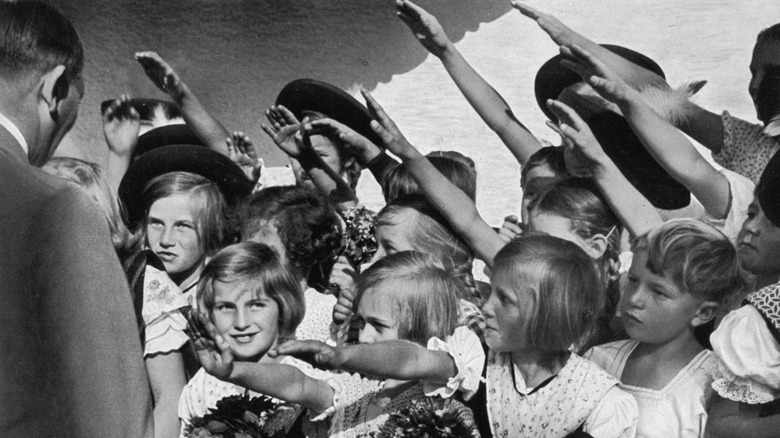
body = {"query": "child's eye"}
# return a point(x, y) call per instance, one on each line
point(223, 307)
point(257, 304)
point(658, 292)
point(632, 278)
point(155, 223)
point(185, 226)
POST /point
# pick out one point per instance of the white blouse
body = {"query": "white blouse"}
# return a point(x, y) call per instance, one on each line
point(164, 322)
point(317, 322)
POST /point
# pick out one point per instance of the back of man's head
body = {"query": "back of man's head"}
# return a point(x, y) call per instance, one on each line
point(34, 38)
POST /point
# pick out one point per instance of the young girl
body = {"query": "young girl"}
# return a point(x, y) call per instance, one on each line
point(681, 273)
point(401, 297)
point(253, 302)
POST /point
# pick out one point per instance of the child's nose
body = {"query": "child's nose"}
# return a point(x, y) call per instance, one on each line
point(242, 320)
point(366, 335)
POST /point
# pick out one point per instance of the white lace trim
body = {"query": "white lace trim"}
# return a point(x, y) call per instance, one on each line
point(465, 349)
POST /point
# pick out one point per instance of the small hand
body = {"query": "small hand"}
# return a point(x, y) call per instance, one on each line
point(583, 154)
point(242, 152)
point(355, 143)
point(424, 26)
point(558, 32)
point(161, 74)
point(282, 128)
point(596, 74)
point(212, 349)
point(392, 138)
point(316, 352)
point(510, 229)
point(121, 123)
point(344, 276)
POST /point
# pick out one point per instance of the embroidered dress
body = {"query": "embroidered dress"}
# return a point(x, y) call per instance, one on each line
point(580, 393)
point(746, 149)
point(317, 322)
point(362, 405)
point(164, 323)
point(746, 343)
point(680, 408)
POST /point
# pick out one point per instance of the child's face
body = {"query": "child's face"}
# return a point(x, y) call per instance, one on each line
point(766, 55)
point(653, 308)
point(375, 312)
point(248, 319)
point(536, 180)
point(391, 239)
point(327, 150)
point(758, 243)
point(171, 233)
point(506, 316)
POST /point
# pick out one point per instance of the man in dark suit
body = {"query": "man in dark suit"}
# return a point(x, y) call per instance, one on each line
point(70, 357)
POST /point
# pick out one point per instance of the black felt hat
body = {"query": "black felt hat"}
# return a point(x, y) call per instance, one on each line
point(615, 135)
point(170, 154)
point(303, 95)
point(768, 190)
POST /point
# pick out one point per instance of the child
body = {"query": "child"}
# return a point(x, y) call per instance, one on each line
point(401, 297)
point(681, 273)
point(253, 302)
point(746, 341)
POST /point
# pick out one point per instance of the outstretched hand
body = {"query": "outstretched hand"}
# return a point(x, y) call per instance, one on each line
point(161, 74)
point(596, 74)
point(355, 143)
point(121, 123)
point(315, 352)
point(282, 127)
point(583, 154)
point(424, 26)
point(392, 138)
point(212, 349)
point(558, 32)
point(241, 151)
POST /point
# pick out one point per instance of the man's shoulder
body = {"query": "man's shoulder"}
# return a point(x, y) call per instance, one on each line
point(25, 181)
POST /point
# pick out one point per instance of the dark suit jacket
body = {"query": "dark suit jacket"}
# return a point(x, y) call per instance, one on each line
point(71, 363)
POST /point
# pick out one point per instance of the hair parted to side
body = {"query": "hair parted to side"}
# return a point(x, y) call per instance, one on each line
point(560, 281)
point(259, 265)
point(699, 259)
point(399, 182)
point(551, 156)
point(307, 225)
point(209, 208)
point(429, 233)
point(771, 33)
point(36, 37)
point(93, 179)
point(424, 295)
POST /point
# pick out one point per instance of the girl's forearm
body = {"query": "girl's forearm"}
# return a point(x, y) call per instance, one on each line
point(284, 382)
point(400, 360)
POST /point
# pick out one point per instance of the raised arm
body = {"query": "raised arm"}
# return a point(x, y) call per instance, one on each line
point(668, 146)
point(490, 106)
point(585, 158)
point(459, 210)
point(121, 123)
point(704, 126)
point(206, 127)
point(400, 360)
point(284, 382)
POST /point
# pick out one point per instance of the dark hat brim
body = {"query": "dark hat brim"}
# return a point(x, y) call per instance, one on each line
point(768, 188)
point(199, 160)
point(302, 95)
point(165, 136)
point(615, 135)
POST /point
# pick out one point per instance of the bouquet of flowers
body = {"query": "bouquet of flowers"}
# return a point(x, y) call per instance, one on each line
point(359, 242)
point(431, 417)
point(242, 416)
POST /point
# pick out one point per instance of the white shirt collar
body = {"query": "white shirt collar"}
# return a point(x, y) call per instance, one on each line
point(14, 131)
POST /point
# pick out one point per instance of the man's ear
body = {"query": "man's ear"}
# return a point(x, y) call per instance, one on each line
point(705, 313)
point(55, 88)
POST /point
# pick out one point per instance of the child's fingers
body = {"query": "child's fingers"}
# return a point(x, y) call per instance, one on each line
point(565, 114)
point(268, 130)
point(526, 10)
point(287, 115)
point(377, 111)
point(554, 127)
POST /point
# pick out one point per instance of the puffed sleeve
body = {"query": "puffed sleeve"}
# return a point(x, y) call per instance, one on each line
point(615, 416)
point(466, 350)
point(164, 323)
point(191, 402)
point(748, 356)
point(741, 194)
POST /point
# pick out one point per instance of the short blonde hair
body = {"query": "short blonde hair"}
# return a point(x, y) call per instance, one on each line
point(699, 259)
point(259, 264)
point(425, 296)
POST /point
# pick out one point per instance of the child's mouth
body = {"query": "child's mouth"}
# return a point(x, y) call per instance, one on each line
point(243, 339)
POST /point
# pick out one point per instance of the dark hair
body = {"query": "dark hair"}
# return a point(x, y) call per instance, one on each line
point(551, 156)
point(425, 296)
point(561, 282)
point(771, 33)
point(307, 225)
point(36, 37)
point(399, 182)
point(259, 264)
point(209, 208)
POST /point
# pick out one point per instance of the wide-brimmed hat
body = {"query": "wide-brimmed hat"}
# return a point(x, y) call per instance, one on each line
point(614, 133)
point(303, 95)
point(166, 152)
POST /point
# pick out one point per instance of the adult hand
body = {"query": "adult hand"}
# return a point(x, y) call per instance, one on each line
point(315, 352)
point(424, 26)
point(121, 123)
point(355, 143)
point(161, 74)
point(241, 151)
point(212, 349)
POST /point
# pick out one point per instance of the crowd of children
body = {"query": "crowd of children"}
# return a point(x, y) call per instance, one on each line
point(637, 295)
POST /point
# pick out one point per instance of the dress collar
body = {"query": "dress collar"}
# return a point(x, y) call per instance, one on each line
point(15, 132)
